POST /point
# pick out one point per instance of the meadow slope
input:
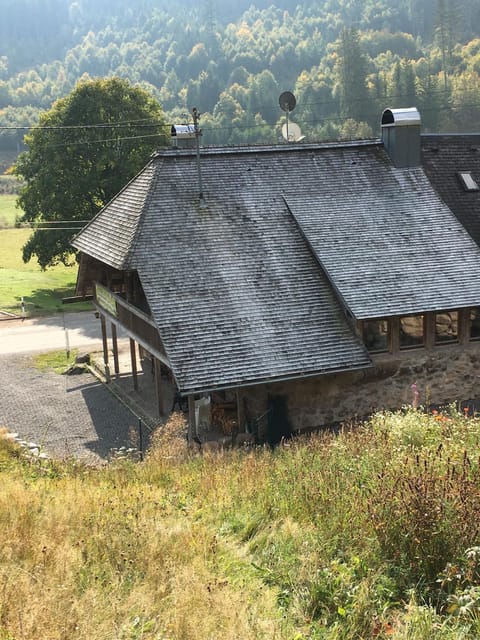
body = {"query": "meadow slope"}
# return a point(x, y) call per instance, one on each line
point(373, 533)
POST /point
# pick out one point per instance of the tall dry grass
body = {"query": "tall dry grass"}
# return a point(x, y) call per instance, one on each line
point(367, 534)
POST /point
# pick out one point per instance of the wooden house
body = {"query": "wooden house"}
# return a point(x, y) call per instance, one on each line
point(302, 284)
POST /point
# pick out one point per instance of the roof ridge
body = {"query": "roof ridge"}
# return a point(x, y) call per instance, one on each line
point(263, 148)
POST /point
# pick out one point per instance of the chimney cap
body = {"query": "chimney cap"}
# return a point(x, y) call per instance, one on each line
point(401, 117)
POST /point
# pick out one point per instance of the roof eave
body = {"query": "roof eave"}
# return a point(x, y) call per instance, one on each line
point(275, 380)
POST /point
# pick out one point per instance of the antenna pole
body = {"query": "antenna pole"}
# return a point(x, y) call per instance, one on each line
point(198, 133)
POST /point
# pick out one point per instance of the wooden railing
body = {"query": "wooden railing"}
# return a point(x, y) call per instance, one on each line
point(134, 321)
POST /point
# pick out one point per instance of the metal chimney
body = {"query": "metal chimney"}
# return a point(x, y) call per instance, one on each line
point(183, 136)
point(401, 136)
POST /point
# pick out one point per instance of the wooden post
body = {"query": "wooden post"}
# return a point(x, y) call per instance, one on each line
point(429, 329)
point(191, 418)
point(133, 357)
point(464, 326)
point(128, 286)
point(394, 335)
point(240, 412)
point(105, 346)
point(158, 386)
point(115, 350)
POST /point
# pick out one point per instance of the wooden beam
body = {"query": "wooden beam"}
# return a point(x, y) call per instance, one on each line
point(240, 412)
point(115, 350)
point(159, 386)
point(464, 326)
point(191, 418)
point(133, 357)
point(394, 335)
point(429, 329)
point(105, 346)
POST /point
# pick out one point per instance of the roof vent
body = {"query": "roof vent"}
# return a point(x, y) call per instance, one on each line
point(401, 136)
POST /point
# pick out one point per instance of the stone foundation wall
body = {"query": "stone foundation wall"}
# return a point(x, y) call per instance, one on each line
point(442, 375)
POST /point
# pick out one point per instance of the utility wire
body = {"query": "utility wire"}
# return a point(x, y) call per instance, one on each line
point(133, 123)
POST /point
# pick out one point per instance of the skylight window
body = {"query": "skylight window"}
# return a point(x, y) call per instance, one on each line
point(468, 183)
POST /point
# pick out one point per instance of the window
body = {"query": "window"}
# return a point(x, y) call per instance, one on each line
point(446, 327)
point(375, 335)
point(467, 181)
point(411, 332)
point(475, 323)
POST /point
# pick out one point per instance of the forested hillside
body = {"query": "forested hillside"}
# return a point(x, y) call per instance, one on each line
point(345, 60)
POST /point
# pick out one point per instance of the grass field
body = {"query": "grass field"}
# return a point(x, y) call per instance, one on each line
point(368, 535)
point(8, 211)
point(42, 291)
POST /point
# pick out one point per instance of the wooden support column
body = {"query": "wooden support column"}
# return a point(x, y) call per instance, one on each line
point(159, 386)
point(116, 364)
point(191, 418)
point(464, 326)
point(105, 346)
point(240, 412)
point(394, 335)
point(429, 329)
point(133, 357)
point(128, 287)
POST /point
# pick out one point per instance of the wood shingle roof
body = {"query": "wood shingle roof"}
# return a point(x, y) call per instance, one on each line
point(444, 157)
point(389, 244)
point(236, 288)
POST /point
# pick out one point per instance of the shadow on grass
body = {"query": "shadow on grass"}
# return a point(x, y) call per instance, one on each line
point(45, 302)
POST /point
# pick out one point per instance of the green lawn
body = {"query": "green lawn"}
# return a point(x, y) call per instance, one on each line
point(42, 290)
point(8, 211)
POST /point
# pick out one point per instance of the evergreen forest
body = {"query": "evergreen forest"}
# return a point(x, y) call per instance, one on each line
point(345, 61)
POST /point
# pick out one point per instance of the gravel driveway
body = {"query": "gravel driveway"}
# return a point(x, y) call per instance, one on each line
point(66, 415)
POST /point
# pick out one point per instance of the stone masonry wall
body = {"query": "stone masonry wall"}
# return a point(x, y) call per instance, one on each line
point(442, 375)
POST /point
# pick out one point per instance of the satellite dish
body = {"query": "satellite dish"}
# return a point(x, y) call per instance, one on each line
point(292, 132)
point(287, 101)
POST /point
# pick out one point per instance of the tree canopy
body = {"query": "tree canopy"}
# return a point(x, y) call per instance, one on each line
point(345, 60)
point(82, 152)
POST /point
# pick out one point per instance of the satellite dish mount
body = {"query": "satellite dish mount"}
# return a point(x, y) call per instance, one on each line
point(291, 132)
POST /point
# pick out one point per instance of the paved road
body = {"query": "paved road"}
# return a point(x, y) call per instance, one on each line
point(66, 415)
point(45, 334)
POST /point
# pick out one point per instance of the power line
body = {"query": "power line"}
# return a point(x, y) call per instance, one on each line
point(166, 127)
point(264, 107)
point(113, 125)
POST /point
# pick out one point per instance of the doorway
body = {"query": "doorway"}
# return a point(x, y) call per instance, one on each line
point(278, 425)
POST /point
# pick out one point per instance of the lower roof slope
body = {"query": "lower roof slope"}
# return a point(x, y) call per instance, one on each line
point(385, 238)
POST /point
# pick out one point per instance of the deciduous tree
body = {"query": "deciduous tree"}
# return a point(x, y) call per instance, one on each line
point(81, 153)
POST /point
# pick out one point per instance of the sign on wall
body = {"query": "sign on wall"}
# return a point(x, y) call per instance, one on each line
point(106, 299)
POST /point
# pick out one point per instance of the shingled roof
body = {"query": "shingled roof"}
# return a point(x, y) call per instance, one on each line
point(236, 288)
point(444, 157)
point(389, 244)
point(236, 294)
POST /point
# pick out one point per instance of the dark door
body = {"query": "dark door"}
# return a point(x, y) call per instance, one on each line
point(278, 425)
